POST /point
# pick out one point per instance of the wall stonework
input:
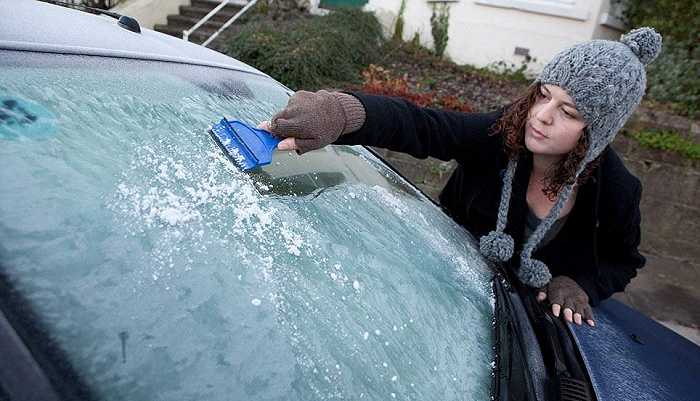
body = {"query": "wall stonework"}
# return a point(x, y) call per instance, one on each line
point(668, 288)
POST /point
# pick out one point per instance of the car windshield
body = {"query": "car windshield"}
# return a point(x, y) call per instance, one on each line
point(161, 271)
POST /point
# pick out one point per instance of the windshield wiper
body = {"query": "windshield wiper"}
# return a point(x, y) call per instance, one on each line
point(513, 375)
point(536, 358)
point(93, 10)
point(124, 21)
point(570, 379)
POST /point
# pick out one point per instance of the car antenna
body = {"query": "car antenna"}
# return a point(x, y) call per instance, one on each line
point(124, 21)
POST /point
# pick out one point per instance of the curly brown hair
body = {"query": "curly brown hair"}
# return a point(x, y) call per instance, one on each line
point(512, 126)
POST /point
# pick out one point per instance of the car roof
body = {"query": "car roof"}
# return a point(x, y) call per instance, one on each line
point(37, 26)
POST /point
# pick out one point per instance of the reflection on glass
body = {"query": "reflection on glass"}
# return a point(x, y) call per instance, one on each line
point(294, 175)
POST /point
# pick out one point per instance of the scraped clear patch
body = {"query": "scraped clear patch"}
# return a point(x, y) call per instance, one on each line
point(21, 118)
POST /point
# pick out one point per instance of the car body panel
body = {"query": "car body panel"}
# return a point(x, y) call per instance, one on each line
point(66, 31)
point(631, 357)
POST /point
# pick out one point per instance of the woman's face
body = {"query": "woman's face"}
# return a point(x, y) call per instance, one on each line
point(554, 125)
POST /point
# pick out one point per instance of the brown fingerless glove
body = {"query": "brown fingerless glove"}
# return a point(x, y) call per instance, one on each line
point(566, 292)
point(317, 119)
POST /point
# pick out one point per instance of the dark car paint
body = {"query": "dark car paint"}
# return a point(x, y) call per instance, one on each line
point(631, 357)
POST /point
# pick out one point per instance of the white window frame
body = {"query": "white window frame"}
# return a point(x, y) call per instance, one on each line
point(613, 17)
point(578, 9)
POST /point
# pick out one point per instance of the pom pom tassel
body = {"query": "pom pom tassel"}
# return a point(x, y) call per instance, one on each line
point(497, 246)
point(534, 273)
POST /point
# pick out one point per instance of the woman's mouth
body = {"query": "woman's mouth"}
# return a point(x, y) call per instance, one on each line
point(537, 134)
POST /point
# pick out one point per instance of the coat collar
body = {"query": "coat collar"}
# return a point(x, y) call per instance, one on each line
point(585, 208)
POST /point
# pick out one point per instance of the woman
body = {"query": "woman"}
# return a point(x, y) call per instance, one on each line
point(564, 207)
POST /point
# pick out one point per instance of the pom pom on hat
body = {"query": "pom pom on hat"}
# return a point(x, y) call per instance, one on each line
point(497, 246)
point(644, 42)
point(534, 273)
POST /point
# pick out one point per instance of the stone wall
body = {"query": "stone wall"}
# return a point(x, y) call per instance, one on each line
point(668, 288)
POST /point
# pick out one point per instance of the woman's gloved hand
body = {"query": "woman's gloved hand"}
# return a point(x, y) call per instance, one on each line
point(313, 120)
point(563, 292)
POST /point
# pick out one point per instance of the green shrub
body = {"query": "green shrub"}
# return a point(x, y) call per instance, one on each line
point(309, 52)
point(669, 141)
point(678, 20)
point(440, 23)
point(674, 76)
point(510, 71)
point(398, 25)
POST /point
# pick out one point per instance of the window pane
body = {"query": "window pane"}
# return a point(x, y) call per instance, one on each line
point(164, 272)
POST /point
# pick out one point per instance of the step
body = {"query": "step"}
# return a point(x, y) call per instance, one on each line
point(185, 22)
point(210, 4)
point(198, 36)
point(199, 12)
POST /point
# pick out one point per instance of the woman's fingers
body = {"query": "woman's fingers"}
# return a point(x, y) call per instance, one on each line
point(288, 144)
point(556, 308)
point(285, 144)
point(571, 316)
point(541, 296)
point(568, 315)
point(573, 313)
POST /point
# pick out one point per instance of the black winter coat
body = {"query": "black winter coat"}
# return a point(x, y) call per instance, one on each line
point(597, 246)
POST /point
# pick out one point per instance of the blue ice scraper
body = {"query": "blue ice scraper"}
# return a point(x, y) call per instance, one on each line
point(245, 146)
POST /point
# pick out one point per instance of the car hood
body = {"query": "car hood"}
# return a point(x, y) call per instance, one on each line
point(631, 357)
point(37, 26)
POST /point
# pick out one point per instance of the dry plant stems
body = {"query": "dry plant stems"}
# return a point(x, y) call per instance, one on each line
point(379, 81)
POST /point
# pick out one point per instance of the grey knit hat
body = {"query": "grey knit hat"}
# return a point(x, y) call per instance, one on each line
point(606, 80)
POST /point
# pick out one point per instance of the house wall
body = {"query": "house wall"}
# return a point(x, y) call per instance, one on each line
point(149, 12)
point(482, 32)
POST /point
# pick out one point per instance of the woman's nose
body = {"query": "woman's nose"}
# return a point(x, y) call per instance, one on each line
point(545, 113)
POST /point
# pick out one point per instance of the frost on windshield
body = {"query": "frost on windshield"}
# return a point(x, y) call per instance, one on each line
point(164, 272)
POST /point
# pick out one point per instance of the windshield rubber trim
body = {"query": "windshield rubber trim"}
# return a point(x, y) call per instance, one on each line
point(512, 377)
point(18, 367)
point(23, 335)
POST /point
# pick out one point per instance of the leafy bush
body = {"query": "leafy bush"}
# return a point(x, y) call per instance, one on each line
point(440, 23)
point(309, 52)
point(675, 75)
point(669, 141)
point(678, 20)
point(398, 26)
point(510, 71)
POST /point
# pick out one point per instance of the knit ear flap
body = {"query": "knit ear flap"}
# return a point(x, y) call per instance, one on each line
point(497, 246)
point(534, 273)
